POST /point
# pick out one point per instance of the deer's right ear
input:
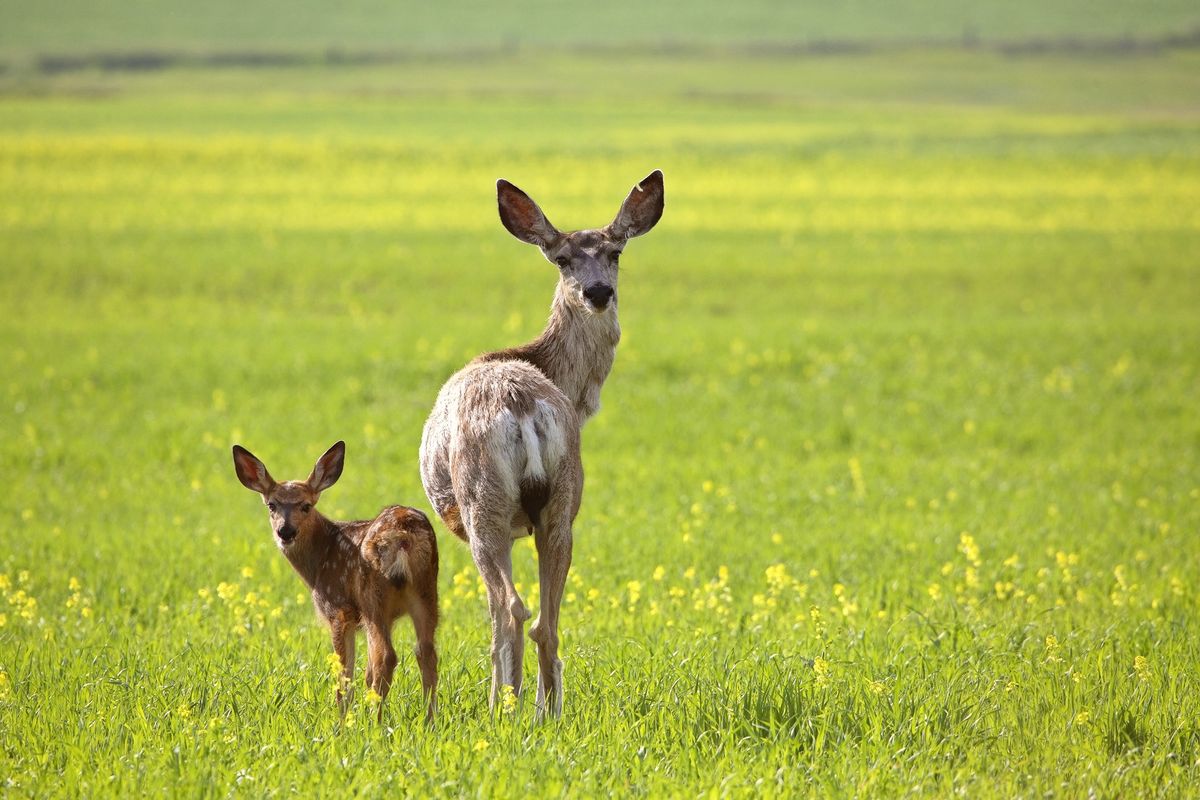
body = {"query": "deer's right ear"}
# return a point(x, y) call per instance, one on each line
point(251, 472)
point(328, 468)
point(522, 217)
point(642, 209)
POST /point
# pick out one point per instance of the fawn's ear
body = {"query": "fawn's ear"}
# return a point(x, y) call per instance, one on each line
point(522, 217)
point(642, 209)
point(328, 468)
point(251, 472)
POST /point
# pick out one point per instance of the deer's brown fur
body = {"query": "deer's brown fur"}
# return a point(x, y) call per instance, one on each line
point(363, 574)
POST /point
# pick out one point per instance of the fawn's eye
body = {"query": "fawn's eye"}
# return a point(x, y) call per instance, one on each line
point(272, 506)
point(563, 261)
point(307, 507)
point(614, 257)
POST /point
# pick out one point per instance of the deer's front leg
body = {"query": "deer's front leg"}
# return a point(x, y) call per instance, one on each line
point(342, 632)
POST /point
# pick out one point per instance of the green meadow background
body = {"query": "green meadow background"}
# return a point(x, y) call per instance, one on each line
point(896, 485)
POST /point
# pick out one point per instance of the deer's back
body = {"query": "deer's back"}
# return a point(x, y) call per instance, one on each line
point(360, 579)
point(473, 423)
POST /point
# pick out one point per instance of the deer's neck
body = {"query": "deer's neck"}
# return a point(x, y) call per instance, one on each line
point(313, 548)
point(576, 350)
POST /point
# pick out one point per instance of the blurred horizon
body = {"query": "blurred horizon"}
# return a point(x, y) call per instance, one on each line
point(29, 31)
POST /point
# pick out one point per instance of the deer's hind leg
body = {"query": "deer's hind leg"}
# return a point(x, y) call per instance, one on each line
point(381, 656)
point(424, 619)
point(491, 547)
point(554, 543)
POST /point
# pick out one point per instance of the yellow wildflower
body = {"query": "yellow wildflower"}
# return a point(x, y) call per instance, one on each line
point(635, 591)
point(1051, 652)
point(967, 546)
point(74, 585)
point(508, 699)
point(183, 711)
point(1141, 665)
point(821, 670)
point(1083, 718)
point(481, 745)
point(334, 665)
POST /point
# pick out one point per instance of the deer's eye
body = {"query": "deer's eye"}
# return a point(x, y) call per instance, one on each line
point(563, 261)
point(614, 257)
point(272, 506)
point(307, 507)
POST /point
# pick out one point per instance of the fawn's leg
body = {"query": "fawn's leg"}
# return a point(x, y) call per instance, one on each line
point(424, 620)
point(342, 632)
point(382, 658)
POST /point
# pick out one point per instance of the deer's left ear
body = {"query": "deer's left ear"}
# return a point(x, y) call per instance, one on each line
point(328, 468)
point(252, 472)
point(522, 217)
point(642, 209)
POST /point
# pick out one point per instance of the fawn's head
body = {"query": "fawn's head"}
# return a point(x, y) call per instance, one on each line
point(586, 260)
point(291, 504)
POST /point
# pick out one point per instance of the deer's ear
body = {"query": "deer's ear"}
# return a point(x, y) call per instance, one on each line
point(522, 217)
point(251, 472)
point(328, 468)
point(642, 209)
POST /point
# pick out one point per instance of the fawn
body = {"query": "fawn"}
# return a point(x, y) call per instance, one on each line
point(364, 573)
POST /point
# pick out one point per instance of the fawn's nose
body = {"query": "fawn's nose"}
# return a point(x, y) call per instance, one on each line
point(287, 533)
point(598, 294)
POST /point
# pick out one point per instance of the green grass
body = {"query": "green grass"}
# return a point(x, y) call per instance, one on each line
point(273, 25)
point(904, 412)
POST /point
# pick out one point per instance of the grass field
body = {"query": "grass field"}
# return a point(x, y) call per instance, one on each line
point(73, 26)
point(894, 491)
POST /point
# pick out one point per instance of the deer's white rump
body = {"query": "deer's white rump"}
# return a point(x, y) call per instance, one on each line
point(500, 450)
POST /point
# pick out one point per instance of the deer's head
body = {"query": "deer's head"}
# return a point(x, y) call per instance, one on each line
point(291, 504)
point(586, 260)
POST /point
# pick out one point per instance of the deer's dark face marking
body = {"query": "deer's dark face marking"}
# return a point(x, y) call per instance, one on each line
point(587, 262)
point(290, 505)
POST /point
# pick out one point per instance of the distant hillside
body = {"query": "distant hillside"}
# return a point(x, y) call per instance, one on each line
point(29, 28)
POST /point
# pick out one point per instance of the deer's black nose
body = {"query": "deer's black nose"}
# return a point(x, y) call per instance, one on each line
point(598, 294)
point(286, 533)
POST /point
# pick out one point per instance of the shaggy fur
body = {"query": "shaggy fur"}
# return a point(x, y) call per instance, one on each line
point(500, 450)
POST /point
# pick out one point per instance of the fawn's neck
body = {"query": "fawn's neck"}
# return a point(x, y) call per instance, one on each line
point(313, 548)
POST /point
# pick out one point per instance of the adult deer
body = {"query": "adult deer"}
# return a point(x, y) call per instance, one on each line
point(500, 450)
